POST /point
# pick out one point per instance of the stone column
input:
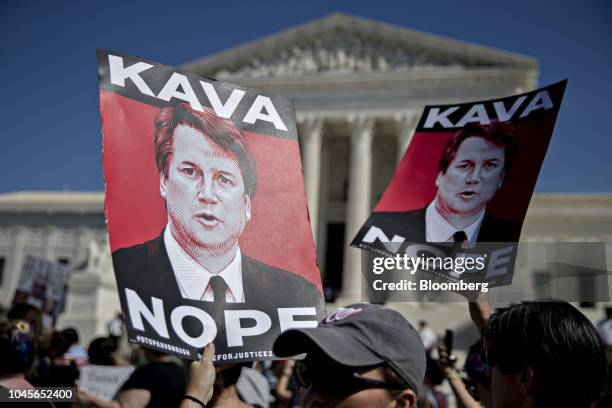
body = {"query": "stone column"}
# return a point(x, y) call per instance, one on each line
point(311, 143)
point(50, 239)
point(13, 272)
point(405, 124)
point(358, 204)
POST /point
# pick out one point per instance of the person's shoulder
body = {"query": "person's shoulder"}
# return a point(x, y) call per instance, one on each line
point(269, 276)
point(268, 287)
point(409, 225)
point(144, 249)
point(139, 254)
point(140, 261)
point(264, 271)
point(400, 215)
point(406, 223)
point(166, 366)
point(495, 229)
point(499, 221)
point(153, 369)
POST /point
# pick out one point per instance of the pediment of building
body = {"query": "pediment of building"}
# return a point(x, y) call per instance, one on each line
point(340, 43)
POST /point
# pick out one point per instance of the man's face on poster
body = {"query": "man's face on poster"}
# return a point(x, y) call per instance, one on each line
point(205, 195)
point(472, 177)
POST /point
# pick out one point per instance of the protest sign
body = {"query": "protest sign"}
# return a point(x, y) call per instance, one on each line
point(103, 381)
point(206, 211)
point(466, 180)
point(42, 284)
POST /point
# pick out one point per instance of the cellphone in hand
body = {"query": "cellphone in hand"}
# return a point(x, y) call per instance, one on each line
point(448, 341)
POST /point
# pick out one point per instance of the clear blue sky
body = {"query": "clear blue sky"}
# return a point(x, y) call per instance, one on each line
point(50, 124)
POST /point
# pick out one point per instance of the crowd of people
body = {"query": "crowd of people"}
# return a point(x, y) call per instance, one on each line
point(530, 354)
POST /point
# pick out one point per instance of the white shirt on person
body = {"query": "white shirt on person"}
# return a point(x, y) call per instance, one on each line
point(193, 279)
point(437, 229)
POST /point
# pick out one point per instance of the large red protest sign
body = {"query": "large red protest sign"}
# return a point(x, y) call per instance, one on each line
point(206, 211)
point(467, 176)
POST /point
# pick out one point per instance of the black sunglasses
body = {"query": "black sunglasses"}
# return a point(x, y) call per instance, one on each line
point(336, 379)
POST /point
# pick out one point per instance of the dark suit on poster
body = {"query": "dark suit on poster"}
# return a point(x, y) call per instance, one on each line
point(411, 226)
point(146, 268)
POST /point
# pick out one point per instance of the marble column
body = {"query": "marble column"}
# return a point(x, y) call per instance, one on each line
point(358, 204)
point(79, 252)
point(21, 235)
point(50, 239)
point(311, 143)
point(405, 125)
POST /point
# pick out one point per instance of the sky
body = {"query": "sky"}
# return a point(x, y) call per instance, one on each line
point(49, 106)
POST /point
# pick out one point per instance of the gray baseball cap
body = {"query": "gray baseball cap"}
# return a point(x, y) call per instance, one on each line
point(362, 335)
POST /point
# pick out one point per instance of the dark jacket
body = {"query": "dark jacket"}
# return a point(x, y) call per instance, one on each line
point(146, 269)
point(411, 226)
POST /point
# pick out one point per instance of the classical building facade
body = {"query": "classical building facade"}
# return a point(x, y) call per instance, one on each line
point(65, 227)
point(359, 87)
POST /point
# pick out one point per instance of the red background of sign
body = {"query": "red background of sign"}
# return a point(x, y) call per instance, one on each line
point(412, 186)
point(279, 232)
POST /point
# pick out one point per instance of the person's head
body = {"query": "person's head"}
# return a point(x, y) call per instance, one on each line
point(17, 348)
point(71, 335)
point(473, 166)
point(101, 351)
point(359, 356)
point(544, 354)
point(29, 314)
point(152, 355)
point(225, 383)
point(58, 345)
point(39, 290)
point(207, 177)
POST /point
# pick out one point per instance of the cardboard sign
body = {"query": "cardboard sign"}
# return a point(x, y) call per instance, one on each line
point(42, 284)
point(466, 179)
point(103, 381)
point(206, 211)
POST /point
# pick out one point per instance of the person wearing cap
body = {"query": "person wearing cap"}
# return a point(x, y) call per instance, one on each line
point(359, 356)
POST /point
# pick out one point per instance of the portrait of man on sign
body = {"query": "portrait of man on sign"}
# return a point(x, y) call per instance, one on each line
point(206, 211)
point(463, 186)
point(207, 179)
point(468, 174)
point(471, 170)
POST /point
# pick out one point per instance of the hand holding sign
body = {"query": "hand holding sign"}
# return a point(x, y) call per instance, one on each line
point(200, 378)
